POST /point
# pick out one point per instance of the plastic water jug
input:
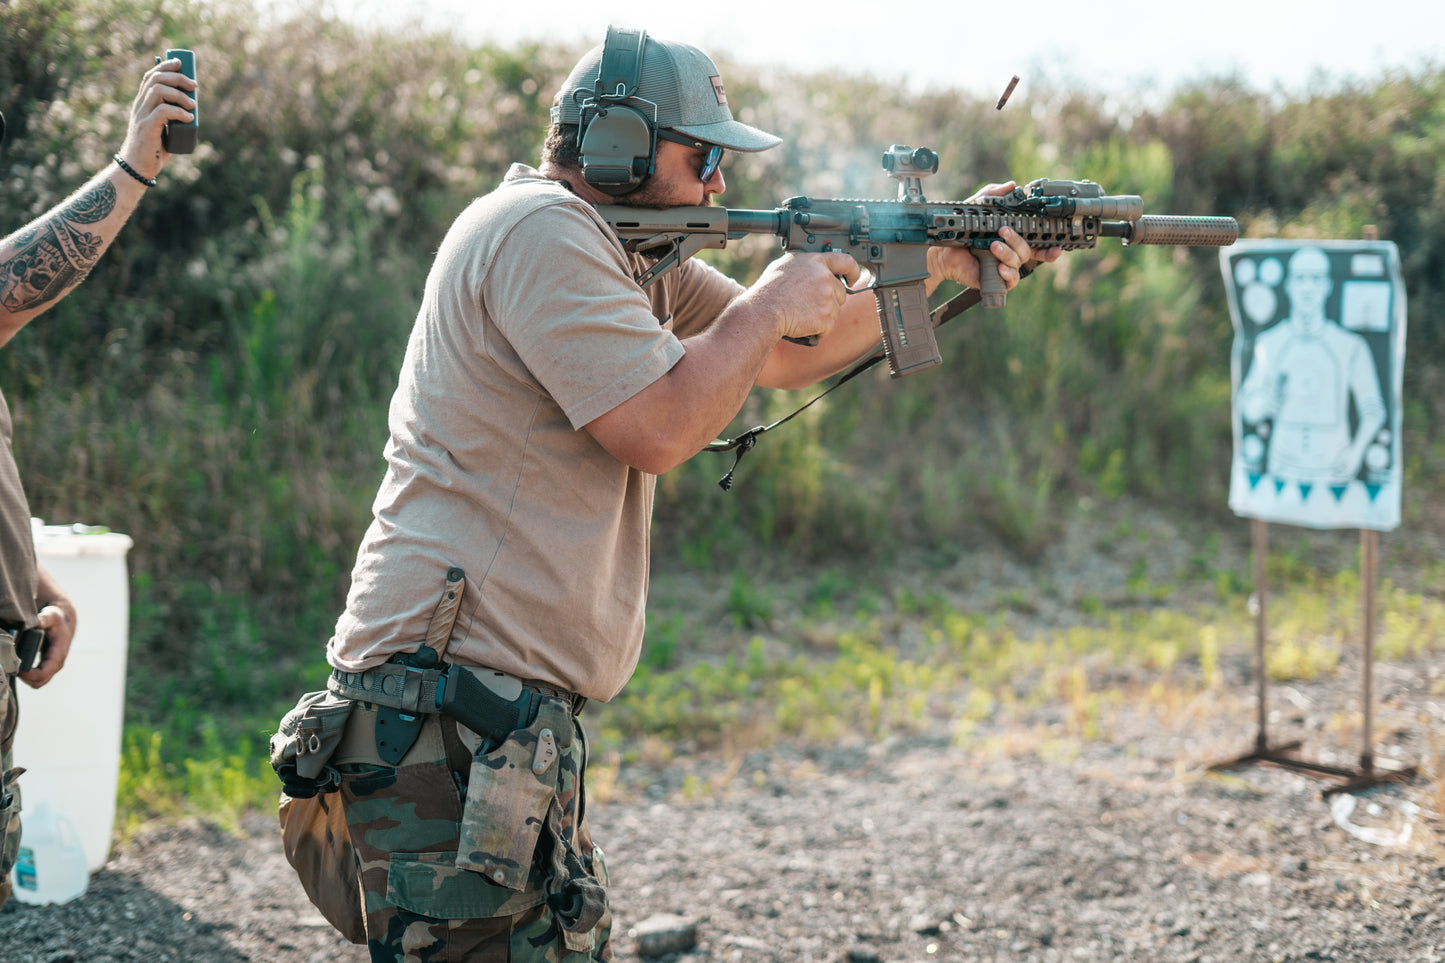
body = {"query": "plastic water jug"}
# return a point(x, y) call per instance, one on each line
point(69, 738)
point(51, 865)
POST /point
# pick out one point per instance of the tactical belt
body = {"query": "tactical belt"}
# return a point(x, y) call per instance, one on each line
point(492, 708)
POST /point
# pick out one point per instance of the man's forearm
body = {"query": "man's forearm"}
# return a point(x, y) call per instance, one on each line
point(671, 419)
point(43, 260)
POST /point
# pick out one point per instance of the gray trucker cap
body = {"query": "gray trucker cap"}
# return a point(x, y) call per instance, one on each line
point(684, 84)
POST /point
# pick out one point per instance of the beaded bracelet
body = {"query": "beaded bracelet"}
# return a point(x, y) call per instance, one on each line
point(147, 181)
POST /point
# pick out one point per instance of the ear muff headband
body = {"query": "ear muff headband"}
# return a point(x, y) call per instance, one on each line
point(621, 69)
point(618, 141)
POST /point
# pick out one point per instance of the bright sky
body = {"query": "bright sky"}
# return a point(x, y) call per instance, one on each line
point(1130, 47)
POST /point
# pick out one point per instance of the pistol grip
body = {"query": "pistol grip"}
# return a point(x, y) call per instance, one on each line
point(908, 338)
point(30, 648)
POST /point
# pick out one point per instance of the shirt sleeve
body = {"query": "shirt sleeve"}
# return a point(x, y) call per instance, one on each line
point(702, 293)
point(561, 292)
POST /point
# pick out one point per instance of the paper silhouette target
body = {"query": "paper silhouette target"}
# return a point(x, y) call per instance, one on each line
point(1318, 352)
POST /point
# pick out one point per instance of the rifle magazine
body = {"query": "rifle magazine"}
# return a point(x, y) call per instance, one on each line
point(908, 340)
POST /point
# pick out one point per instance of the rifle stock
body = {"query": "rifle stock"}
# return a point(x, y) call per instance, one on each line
point(891, 238)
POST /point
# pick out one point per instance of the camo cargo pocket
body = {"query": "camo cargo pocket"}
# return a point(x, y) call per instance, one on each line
point(508, 793)
point(434, 885)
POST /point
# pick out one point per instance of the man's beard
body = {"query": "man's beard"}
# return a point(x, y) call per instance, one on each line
point(654, 196)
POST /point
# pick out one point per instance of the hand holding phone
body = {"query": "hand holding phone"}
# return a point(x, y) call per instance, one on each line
point(181, 138)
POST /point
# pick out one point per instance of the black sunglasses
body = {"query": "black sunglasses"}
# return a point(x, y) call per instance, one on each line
point(714, 152)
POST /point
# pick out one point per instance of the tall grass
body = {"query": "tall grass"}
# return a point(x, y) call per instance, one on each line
point(218, 387)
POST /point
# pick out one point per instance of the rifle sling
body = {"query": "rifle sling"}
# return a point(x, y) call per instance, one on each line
point(940, 315)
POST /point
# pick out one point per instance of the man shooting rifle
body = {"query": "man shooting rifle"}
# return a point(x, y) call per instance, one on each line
point(502, 582)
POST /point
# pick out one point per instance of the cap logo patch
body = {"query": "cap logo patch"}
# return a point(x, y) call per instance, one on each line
point(717, 88)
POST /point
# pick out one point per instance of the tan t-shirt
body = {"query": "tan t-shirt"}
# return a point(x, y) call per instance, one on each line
point(17, 546)
point(531, 327)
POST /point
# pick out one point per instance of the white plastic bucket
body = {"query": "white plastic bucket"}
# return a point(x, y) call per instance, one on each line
point(70, 729)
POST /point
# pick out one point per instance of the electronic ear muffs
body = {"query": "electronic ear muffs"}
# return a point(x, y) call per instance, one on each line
point(617, 140)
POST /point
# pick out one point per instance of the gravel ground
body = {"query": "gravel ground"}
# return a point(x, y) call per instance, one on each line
point(1031, 845)
point(1027, 843)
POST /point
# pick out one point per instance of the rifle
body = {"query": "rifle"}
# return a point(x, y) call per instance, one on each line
point(892, 237)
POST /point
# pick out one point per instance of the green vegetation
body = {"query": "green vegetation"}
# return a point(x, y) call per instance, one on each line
point(218, 388)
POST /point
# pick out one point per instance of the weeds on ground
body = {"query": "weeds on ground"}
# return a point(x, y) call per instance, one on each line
point(971, 676)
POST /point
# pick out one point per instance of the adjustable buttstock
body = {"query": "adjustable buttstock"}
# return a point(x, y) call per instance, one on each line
point(908, 338)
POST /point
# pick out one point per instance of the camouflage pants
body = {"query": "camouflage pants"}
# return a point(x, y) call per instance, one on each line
point(426, 904)
point(9, 792)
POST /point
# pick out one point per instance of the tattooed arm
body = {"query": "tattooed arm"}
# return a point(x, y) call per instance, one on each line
point(42, 261)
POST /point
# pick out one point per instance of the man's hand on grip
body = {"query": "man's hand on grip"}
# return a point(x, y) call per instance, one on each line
point(806, 291)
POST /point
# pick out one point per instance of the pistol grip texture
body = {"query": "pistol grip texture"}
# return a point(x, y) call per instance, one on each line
point(30, 648)
point(908, 338)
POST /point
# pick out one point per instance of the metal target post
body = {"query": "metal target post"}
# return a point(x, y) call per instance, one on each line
point(1279, 291)
point(1371, 772)
point(1284, 754)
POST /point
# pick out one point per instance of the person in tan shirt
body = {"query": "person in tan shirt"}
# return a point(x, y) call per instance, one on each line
point(541, 394)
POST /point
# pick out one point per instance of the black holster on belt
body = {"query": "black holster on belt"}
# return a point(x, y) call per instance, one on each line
point(417, 684)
